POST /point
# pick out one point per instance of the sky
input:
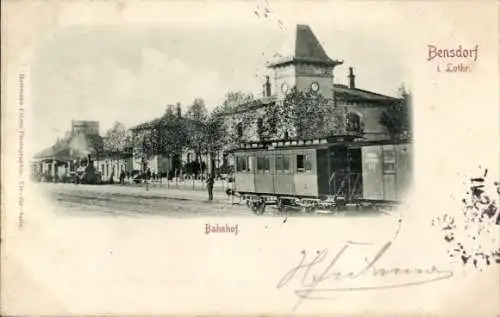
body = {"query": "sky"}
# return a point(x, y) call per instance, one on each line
point(130, 73)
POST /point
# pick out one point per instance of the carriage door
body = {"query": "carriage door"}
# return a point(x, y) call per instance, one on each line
point(339, 171)
point(355, 184)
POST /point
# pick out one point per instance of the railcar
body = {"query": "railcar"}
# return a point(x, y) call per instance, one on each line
point(322, 173)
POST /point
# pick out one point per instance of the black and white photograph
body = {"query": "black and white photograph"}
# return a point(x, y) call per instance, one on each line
point(305, 136)
point(250, 158)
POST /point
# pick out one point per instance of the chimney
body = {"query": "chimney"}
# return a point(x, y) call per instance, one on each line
point(267, 88)
point(352, 83)
point(179, 112)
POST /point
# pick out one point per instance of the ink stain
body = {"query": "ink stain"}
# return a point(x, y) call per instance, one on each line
point(470, 233)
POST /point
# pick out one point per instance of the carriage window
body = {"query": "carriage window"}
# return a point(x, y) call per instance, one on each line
point(241, 164)
point(300, 163)
point(250, 163)
point(279, 163)
point(389, 162)
point(267, 164)
point(308, 163)
point(263, 164)
point(286, 164)
point(283, 164)
point(260, 164)
point(304, 163)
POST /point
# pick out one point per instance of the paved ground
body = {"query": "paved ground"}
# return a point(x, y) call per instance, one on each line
point(135, 200)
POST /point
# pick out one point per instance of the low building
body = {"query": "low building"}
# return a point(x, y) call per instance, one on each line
point(80, 147)
point(161, 145)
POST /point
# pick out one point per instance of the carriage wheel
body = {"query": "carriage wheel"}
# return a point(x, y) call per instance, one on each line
point(258, 208)
point(262, 208)
point(307, 209)
point(279, 205)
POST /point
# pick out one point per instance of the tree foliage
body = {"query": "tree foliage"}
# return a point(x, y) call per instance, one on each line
point(233, 99)
point(116, 140)
point(397, 117)
point(304, 114)
point(171, 133)
point(197, 116)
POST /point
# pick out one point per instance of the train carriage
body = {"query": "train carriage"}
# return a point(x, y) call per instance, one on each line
point(332, 172)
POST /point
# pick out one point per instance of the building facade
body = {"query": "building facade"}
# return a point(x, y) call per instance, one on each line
point(84, 127)
point(311, 71)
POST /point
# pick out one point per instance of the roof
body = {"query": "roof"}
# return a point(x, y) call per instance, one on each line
point(146, 125)
point(307, 49)
point(252, 105)
point(154, 123)
point(342, 92)
point(347, 94)
point(72, 148)
point(54, 153)
point(349, 139)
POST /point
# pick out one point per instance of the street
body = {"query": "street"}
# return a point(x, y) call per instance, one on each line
point(137, 201)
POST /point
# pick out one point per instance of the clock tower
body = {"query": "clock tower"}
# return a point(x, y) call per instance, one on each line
point(309, 67)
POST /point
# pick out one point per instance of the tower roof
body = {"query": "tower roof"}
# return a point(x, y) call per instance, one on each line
point(307, 50)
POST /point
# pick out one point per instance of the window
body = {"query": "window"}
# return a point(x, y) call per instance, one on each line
point(260, 126)
point(282, 164)
point(354, 123)
point(389, 159)
point(304, 163)
point(250, 161)
point(279, 163)
point(286, 164)
point(300, 163)
point(241, 164)
point(239, 130)
point(272, 126)
point(263, 164)
point(308, 163)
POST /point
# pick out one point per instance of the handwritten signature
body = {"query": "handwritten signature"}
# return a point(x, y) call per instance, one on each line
point(315, 274)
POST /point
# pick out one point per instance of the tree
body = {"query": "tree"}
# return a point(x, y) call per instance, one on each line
point(145, 143)
point(197, 111)
point(304, 114)
point(116, 140)
point(172, 134)
point(397, 117)
point(233, 99)
point(197, 115)
point(169, 112)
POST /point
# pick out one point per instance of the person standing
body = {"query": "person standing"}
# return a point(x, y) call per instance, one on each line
point(210, 187)
point(122, 177)
point(148, 178)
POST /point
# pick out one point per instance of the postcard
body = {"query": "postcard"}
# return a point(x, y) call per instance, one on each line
point(250, 158)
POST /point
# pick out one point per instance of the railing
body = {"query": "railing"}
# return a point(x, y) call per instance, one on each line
point(184, 183)
point(350, 186)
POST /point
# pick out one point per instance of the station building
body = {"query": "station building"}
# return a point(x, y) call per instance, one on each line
point(308, 68)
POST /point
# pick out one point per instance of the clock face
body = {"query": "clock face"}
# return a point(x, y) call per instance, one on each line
point(284, 87)
point(315, 86)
